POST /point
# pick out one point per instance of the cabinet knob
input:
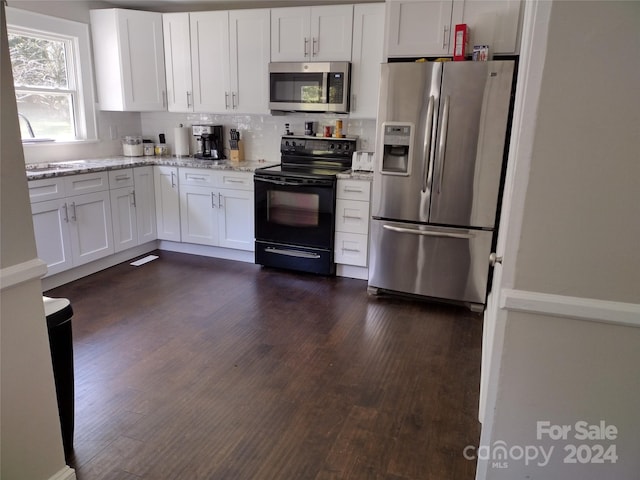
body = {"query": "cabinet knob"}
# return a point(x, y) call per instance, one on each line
point(493, 259)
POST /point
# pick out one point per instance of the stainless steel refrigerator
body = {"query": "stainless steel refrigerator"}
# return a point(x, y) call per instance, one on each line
point(440, 146)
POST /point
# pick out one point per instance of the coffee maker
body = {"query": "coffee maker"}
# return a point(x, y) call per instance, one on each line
point(209, 142)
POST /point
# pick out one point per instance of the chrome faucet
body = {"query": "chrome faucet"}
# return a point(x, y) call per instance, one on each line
point(29, 128)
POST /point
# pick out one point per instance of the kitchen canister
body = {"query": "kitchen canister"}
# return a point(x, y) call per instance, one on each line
point(132, 146)
point(182, 139)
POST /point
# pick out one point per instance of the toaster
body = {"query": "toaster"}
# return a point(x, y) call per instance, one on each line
point(362, 161)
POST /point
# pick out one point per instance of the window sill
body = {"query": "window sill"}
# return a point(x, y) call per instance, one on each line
point(51, 143)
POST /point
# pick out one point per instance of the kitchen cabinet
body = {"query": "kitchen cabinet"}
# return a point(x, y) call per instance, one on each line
point(177, 61)
point(216, 208)
point(129, 59)
point(167, 201)
point(425, 27)
point(366, 56)
point(75, 228)
point(314, 34)
point(132, 206)
point(229, 61)
point(352, 222)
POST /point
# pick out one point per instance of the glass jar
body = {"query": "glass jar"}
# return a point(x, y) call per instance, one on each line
point(132, 146)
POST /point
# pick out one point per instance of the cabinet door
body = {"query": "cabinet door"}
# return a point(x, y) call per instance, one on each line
point(177, 60)
point(331, 33)
point(129, 59)
point(290, 34)
point(90, 227)
point(51, 229)
point(210, 61)
point(167, 202)
point(145, 203)
point(199, 208)
point(491, 22)
point(236, 219)
point(249, 60)
point(125, 233)
point(419, 28)
point(366, 56)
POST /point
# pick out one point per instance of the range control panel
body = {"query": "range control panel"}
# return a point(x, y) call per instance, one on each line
point(317, 146)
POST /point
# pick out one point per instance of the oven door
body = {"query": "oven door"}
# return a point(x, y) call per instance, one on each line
point(295, 211)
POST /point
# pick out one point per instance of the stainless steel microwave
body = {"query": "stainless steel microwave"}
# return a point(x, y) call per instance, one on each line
point(309, 87)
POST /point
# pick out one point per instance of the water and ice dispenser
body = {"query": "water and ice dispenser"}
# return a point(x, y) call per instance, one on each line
point(397, 146)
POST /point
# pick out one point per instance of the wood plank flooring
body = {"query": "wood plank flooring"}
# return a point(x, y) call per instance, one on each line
point(197, 368)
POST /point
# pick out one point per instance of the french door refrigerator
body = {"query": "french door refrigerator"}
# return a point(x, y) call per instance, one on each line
point(440, 140)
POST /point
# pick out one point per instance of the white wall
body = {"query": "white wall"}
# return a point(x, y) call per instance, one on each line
point(578, 262)
point(31, 443)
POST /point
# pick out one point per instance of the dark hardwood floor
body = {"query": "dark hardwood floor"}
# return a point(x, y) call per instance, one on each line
point(196, 368)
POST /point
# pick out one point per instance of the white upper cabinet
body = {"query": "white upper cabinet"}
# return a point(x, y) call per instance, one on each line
point(314, 34)
point(425, 27)
point(366, 57)
point(218, 61)
point(249, 60)
point(210, 61)
point(129, 60)
point(418, 28)
point(177, 61)
point(491, 22)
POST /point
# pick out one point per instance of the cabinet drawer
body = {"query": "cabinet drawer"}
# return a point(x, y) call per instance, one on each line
point(46, 189)
point(86, 183)
point(201, 177)
point(235, 180)
point(351, 249)
point(352, 216)
point(353, 190)
point(121, 178)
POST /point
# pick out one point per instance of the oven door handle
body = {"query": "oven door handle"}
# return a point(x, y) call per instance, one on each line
point(291, 253)
point(293, 183)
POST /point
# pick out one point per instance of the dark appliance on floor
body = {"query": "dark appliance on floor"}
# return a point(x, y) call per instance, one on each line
point(295, 203)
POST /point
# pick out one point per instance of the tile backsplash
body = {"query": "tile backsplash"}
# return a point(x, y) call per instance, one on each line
point(260, 133)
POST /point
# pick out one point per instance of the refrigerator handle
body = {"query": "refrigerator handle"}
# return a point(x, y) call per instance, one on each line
point(442, 142)
point(429, 233)
point(427, 145)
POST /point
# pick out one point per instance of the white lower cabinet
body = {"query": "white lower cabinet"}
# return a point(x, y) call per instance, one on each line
point(75, 229)
point(213, 215)
point(167, 202)
point(133, 207)
point(352, 222)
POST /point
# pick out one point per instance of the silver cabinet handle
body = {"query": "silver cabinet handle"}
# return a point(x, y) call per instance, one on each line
point(66, 212)
point(306, 45)
point(234, 180)
point(213, 200)
point(219, 200)
point(165, 101)
point(226, 100)
point(429, 233)
point(291, 253)
point(191, 177)
point(234, 103)
point(315, 43)
point(73, 215)
point(354, 104)
point(444, 128)
point(352, 217)
point(353, 190)
point(445, 42)
point(133, 198)
point(173, 182)
point(189, 99)
point(122, 177)
point(427, 145)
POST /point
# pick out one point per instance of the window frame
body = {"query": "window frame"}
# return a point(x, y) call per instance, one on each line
point(77, 34)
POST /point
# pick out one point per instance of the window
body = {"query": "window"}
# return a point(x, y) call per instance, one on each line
point(52, 77)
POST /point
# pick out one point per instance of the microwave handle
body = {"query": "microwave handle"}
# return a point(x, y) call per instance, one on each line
point(325, 87)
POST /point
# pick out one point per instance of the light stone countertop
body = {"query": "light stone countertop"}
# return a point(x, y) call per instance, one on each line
point(74, 167)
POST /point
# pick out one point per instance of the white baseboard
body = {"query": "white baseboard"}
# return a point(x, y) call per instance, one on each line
point(90, 268)
point(350, 271)
point(67, 473)
point(587, 309)
point(208, 251)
